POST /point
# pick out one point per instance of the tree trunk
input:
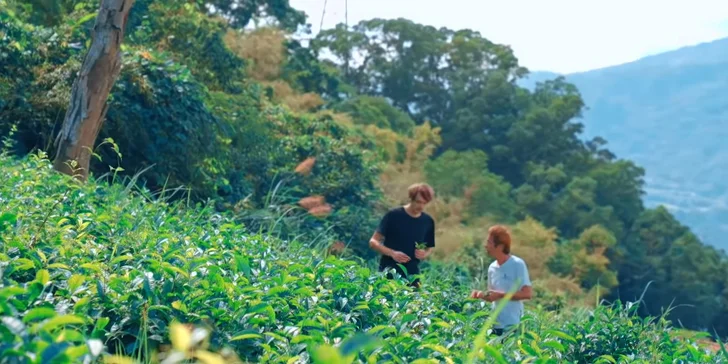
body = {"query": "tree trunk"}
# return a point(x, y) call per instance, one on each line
point(87, 108)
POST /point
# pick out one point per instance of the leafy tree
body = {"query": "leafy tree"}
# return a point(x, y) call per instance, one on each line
point(490, 195)
point(465, 174)
point(32, 64)
point(376, 110)
point(620, 185)
point(536, 244)
point(592, 266)
point(417, 67)
point(159, 118)
point(664, 260)
point(18, 53)
point(307, 73)
point(48, 13)
point(239, 13)
point(452, 172)
point(692, 273)
point(191, 37)
point(640, 256)
point(585, 259)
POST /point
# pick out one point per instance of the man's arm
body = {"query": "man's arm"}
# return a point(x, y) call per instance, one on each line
point(376, 244)
point(525, 293)
point(430, 238)
point(429, 242)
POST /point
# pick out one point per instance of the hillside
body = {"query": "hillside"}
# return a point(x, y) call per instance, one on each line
point(97, 272)
point(668, 113)
point(215, 118)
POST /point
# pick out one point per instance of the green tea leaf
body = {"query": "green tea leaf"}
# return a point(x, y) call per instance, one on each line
point(54, 350)
point(382, 329)
point(607, 358)
point(357, 343)
point(39, 313)
point(424, 361)
point(561, 335)
point(58, 266)
point(58, 321)
point(75, 281)
point(23, 264)
point(554, 345)
point(7, 220)
point(43, 276)
point(439, 348)
point(122, 258)
point(96, 267)
point(11, 291)
point(247, 336)
point(326, 354)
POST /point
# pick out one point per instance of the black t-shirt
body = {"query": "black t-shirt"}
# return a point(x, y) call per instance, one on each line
point(402, 232)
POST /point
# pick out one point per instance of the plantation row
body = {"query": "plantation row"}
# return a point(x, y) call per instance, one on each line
point(90, 271)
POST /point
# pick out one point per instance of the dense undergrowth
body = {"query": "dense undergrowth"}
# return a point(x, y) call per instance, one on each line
point(258, 128)
point(97, 271)
point(209, 108)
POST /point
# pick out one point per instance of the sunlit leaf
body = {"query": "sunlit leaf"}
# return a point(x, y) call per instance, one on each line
point(58, 321)
point(207, 357)
point(180, 336)
point(39, 313)
point(247, 336)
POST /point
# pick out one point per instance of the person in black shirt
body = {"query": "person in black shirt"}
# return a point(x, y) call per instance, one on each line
point(402, 229)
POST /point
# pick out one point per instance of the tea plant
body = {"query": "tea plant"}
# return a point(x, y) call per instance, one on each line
point(93, 272)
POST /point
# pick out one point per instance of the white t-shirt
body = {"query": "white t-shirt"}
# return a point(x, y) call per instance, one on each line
point(503, 278)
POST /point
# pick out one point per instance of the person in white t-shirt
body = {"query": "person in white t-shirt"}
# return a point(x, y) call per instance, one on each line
point(508, 272)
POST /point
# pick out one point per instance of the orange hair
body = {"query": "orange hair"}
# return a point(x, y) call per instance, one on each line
point(422, 189)
point(500, 236)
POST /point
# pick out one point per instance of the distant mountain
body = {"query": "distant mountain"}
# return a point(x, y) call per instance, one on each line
point(669, 114)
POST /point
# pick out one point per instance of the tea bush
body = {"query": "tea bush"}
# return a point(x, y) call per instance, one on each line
point(192, 108)
point(92, 271)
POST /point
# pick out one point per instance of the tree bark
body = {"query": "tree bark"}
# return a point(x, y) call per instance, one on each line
point(87, 110)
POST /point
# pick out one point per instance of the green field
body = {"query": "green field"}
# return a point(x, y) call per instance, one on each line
point(91, 271)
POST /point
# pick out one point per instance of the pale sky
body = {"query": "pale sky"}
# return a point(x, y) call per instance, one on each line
point(562, 36)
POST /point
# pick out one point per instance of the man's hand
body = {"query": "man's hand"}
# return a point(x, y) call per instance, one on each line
point(477, 294)
point(400, 257)
point(422, 254)
point(494, 295)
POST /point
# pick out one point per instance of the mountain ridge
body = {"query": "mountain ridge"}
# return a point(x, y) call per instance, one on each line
point(715, 45)
point(665, 111)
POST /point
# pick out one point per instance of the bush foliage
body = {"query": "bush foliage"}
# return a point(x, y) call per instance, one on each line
point(307, 151)
point(92, 271)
